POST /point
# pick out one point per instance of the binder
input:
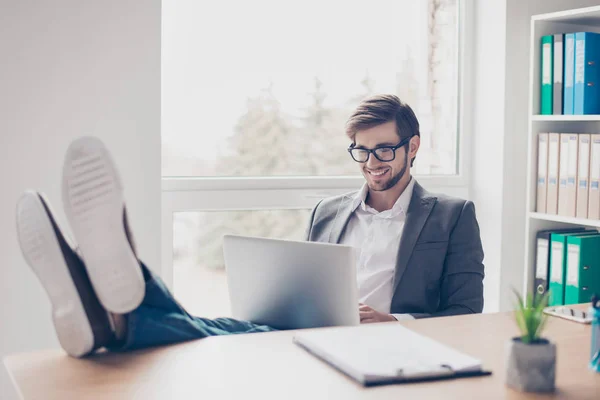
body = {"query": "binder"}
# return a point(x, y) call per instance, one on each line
point(553, 169)
point(594, 191)
point(542, 257)
point(586, 87)
point(583, 268)
point(558, 259)
point(569, 74)
point(542, 172)
point(583, 174)
point(563, 172)
point(398, 355)
point(546, 75)
point(572, 164)
point(557, 94)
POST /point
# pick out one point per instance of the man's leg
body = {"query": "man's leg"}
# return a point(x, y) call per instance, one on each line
point(160, 319)
point(100, 284)
point(94, 203)
point(81, 321)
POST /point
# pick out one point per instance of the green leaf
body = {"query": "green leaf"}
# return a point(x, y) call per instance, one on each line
point(520, 315)
point(542, 302)
point(541, 326)
point(529, 315)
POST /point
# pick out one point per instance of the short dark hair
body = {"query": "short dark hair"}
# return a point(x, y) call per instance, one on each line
point(382, 108)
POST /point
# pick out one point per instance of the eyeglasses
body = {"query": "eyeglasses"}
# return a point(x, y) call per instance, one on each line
point(382, 153)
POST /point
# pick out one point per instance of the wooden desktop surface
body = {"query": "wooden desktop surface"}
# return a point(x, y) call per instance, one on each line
point(270, 366)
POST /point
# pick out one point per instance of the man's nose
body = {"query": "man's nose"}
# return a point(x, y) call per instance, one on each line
point(373, 161)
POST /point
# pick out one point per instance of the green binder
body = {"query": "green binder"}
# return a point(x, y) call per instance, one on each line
point(546, 71)
point(558, 262)
point(583, 268)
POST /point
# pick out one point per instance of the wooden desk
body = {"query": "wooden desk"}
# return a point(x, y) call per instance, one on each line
point(270, 366)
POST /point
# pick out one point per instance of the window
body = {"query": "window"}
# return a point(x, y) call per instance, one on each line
point(200, 278)
point(198, 234)
point(255, 96)
point(264, 87)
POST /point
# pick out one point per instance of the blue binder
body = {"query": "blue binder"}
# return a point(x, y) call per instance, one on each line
point(587, 73)
point(569, 67)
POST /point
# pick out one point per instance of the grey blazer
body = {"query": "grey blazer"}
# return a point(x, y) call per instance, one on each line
point(439, 268)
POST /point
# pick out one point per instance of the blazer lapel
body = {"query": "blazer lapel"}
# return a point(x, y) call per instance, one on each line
point(419, 209)
point(342, 217)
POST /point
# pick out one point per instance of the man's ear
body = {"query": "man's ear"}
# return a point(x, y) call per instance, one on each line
point(413, 147)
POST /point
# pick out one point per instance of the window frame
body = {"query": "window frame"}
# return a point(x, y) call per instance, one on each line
point(185, 194)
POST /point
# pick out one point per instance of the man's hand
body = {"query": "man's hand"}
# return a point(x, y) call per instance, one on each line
point(368, 315)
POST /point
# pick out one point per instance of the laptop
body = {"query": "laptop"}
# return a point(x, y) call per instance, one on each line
point(288, 284)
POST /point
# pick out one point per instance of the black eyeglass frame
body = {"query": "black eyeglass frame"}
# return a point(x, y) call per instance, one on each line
point(403, 142)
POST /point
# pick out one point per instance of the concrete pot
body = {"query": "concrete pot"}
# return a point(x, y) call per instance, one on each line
point(531, 367)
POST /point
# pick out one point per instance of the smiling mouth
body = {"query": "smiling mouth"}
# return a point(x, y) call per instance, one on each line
point(378, 173)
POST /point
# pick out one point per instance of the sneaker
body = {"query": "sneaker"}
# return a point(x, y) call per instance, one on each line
point(81, 323)
point(95, 207)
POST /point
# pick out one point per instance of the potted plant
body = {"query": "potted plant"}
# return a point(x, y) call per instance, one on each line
point(531, 359)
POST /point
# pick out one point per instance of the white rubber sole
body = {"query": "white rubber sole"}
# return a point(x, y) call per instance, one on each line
point(42, 252)
point(94, 203)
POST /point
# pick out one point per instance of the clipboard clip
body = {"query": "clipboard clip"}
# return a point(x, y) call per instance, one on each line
point(425, 371)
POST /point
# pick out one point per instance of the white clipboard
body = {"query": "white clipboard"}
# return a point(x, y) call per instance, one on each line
point(387, 353)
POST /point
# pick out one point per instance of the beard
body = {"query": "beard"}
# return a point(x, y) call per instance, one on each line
point(390, 183)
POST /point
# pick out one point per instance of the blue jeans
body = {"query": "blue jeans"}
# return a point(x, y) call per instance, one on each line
point(160, 320)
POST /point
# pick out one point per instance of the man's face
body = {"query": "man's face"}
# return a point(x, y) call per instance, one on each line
point(381, 175)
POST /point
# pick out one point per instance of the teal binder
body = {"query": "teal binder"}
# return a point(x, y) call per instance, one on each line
point(583, 268)
point(547, 81)
point(569, 74)
point(586, 89)
point(558, 262)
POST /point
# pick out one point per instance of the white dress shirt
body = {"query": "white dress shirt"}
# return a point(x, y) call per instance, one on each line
point(376, 236)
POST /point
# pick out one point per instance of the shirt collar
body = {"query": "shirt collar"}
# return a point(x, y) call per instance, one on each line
point(401, 205)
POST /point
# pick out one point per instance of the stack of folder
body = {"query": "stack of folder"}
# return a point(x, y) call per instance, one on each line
point(569, 174)
point(568, 264)
point(570, 73)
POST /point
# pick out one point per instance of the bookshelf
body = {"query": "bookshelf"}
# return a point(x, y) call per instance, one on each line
point(577, 20)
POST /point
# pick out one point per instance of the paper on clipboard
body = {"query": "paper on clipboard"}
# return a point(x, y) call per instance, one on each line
point(384, 352)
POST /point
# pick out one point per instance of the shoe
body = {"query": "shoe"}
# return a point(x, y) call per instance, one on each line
point(95, 207)
point(81, 323)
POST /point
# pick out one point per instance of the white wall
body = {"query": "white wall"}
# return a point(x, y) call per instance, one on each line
point(500, 136)
point(488, 136)
point(70, 68)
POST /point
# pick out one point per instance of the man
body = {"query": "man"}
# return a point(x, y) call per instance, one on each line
point(420, 254)
point(103, 296)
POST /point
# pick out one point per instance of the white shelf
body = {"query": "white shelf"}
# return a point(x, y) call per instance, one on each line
point(565, 220)
point(581, 16)
point(538, 117)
